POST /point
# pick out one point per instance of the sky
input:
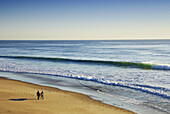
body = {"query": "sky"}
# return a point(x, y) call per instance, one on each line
point(84, 19)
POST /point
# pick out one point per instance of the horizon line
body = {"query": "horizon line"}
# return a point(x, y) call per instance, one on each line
point(78, 40)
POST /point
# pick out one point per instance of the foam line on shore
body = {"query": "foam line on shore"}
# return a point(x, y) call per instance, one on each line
point(159, 91)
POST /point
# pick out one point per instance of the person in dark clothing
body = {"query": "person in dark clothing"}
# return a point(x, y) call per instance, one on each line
point(38, 95)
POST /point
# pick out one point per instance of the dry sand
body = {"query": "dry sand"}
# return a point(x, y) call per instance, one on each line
point(20, 98)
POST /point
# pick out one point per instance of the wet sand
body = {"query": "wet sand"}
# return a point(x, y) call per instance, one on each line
point(20, 97)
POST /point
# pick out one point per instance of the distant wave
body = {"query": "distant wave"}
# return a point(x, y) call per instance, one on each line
point(115, 63)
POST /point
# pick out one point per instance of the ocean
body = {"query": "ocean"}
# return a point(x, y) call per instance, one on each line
point(131, 72)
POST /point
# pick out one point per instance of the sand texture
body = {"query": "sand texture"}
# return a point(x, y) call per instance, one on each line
point(20, 98)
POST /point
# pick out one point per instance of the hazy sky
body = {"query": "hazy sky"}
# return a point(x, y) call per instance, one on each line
point(84, 19)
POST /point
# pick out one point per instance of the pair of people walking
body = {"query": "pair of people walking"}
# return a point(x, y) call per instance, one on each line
point(40, 95)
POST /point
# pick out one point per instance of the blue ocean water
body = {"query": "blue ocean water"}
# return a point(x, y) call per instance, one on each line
point(134, 71)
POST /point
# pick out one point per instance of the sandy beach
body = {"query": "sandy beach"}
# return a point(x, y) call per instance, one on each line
point(19, 97)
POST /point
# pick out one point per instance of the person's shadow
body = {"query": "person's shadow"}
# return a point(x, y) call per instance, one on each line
point(21, 99)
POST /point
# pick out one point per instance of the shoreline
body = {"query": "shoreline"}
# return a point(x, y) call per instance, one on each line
point(20, 97)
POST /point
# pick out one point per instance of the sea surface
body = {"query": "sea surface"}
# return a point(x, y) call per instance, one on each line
point(135, 72)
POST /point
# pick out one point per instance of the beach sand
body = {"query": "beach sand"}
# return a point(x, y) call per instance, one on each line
point(19, 97)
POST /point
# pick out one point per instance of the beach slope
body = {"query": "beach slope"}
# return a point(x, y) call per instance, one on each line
point(19, 97)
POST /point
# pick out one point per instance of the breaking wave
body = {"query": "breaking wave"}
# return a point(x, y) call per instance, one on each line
point(115, 63)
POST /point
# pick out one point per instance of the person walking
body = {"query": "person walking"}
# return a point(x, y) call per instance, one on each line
point(42, 95)
point(38, 95)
